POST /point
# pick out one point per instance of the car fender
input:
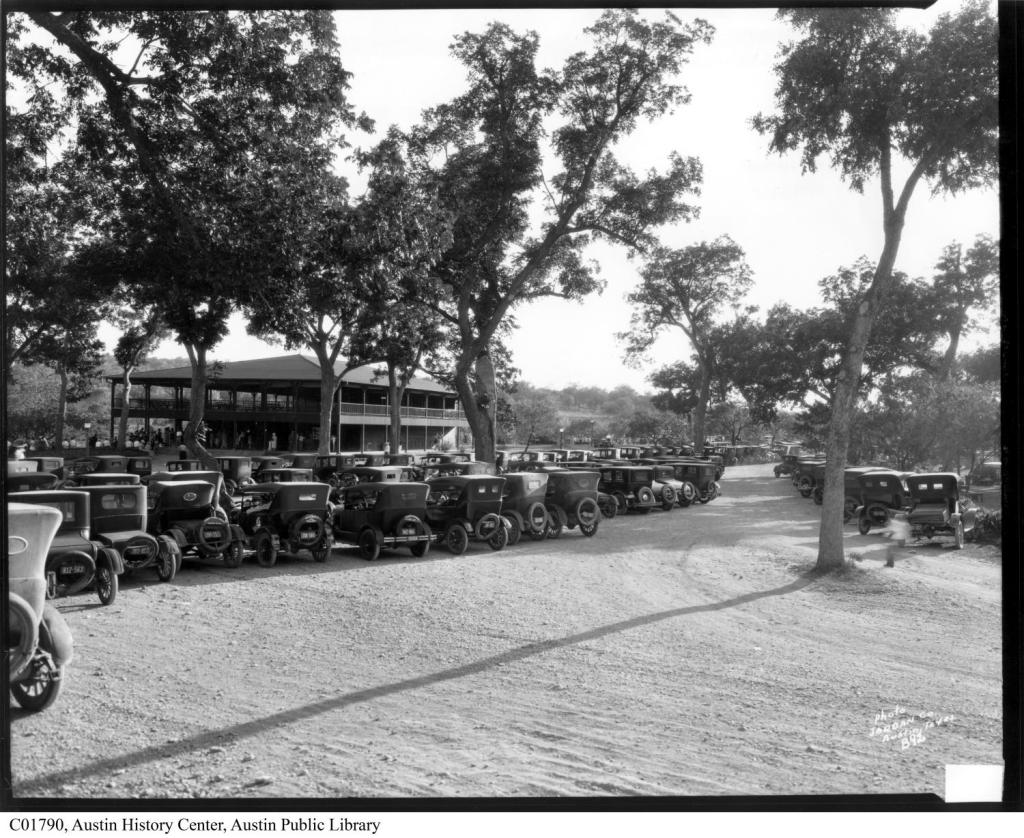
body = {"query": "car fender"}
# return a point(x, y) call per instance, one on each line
point(60, 635)
point(114, 557)
point(179, 537)
point(237, 533)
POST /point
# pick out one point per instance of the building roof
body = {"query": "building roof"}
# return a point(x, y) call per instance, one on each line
point(297, 367)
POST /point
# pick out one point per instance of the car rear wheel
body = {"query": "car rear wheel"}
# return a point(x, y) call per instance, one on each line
point(515, 529)
point(234, 555)
point(608, 505)
point(421, 548)
point(168, 560)
point(805, 486)
point(620, 502)
point(266, 552)
point(536, 518)
point(557, 521)
point(668, 498)
point(369, 545)
point(456, 539)
point(687, 493)
point(106, 577)
point(40, 688)
point(499, 540)
point(818, 495)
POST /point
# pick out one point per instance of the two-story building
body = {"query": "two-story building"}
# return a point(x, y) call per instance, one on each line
point(250, 404)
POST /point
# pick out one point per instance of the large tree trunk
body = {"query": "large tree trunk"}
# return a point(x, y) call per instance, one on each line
point(479, 404)
point(700, 412)
point(396, 390)
point(197, 407)
point(844, 401)
point(328, 383)
point(122, 426)
point(62, 406)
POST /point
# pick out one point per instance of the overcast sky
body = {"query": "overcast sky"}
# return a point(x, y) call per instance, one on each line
point(794, 228)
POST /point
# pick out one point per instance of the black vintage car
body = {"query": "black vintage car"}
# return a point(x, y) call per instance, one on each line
point(684, 492)
point(106, 478)
point(938, 507)
point(237, 471)
point(522, 505)
point(700, 474)
point(328, 467)
point(76, 560)
point(630, 486)
point(571, 500)
point(190, 514)
point(286, 475)
point(185, 465)
point(263, 461)
point(285, 518)
point(452, 469)
point(880, 493)
point(803, 475)
point(29, 481)
point(467, 507)
point(53, 465)
point(138, 464)
point(383, 515)
point(107, 463)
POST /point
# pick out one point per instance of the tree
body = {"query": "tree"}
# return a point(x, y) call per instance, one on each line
point(687, 289)
point(862, 91)
point(484, 152)
point(964, 282)
point(143, 330)
point(209, 135)
point(536, 416)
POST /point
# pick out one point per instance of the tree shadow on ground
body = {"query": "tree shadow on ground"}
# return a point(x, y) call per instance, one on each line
point(256, 727)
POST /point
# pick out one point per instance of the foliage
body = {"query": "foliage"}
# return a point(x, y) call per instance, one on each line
point(483, 150)
point(688, 289)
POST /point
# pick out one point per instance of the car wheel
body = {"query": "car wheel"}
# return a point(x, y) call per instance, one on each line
point(456, 539)
point(687, 493)
point(106, 578)
point(620, 502)
point(369, 546)
point(668, 498)
point(849, 507)
point(168, 560)
point(557, 521)
point(421, 548)
point(515, 530)
point(645, 496)
point(321, 553)
point(23, 625)
point(587, 515)
point(818, 495)
point(778, 472)
point(863, 524)
point(40, 688)
point(234, 555)
point(805, 486)
point(266, 552)
point(487, 526)
point(230, 486)
point(608, 506)
point(536, 519)
point(499, 540)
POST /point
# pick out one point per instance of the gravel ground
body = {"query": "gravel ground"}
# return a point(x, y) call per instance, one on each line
point(679, 653)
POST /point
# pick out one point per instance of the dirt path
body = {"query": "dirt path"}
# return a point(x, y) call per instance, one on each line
point(682, 653)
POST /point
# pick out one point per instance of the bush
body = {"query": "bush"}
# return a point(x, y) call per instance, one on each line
point(988, 527)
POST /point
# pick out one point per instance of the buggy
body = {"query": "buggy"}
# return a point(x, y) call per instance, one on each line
point(571, 501)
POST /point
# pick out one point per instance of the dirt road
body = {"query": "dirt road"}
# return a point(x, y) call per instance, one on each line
point(680, 653)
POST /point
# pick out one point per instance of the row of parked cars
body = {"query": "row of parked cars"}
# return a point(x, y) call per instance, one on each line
point(934, 504)
point(82, 526)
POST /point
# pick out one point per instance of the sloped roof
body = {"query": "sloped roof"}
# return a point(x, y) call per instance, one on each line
point(296, 367)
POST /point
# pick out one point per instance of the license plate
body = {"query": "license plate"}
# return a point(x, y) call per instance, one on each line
point(211, 533)
point(408, 531)
point(72, 569)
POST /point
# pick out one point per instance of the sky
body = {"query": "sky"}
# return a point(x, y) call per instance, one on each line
point(794, 228)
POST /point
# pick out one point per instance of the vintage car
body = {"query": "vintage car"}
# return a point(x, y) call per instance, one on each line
point(522, 505)
point(189, 512)
point(452, 469)
point(118, 518)
point(467, 507)
point(630, 486)
point(383, 515)
point(938, 507)
point(377, 474)
point(39, 643)
point(984, 485)
point(237, 471)
point(803, 475)
point(75, 560)
point(186, 465)
point(682, 491)
point(137, 464)
point(87, 465)
point(880, 493)
point(30, 481)
point(286, 475)
point(701, 475)
point(571, 500)
point(525, 460)
point(53, 465)
point(285, 518)
point(263, 461)
point(579, 455)
point(328, 467)
point(108, 478)
point(301, 459)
